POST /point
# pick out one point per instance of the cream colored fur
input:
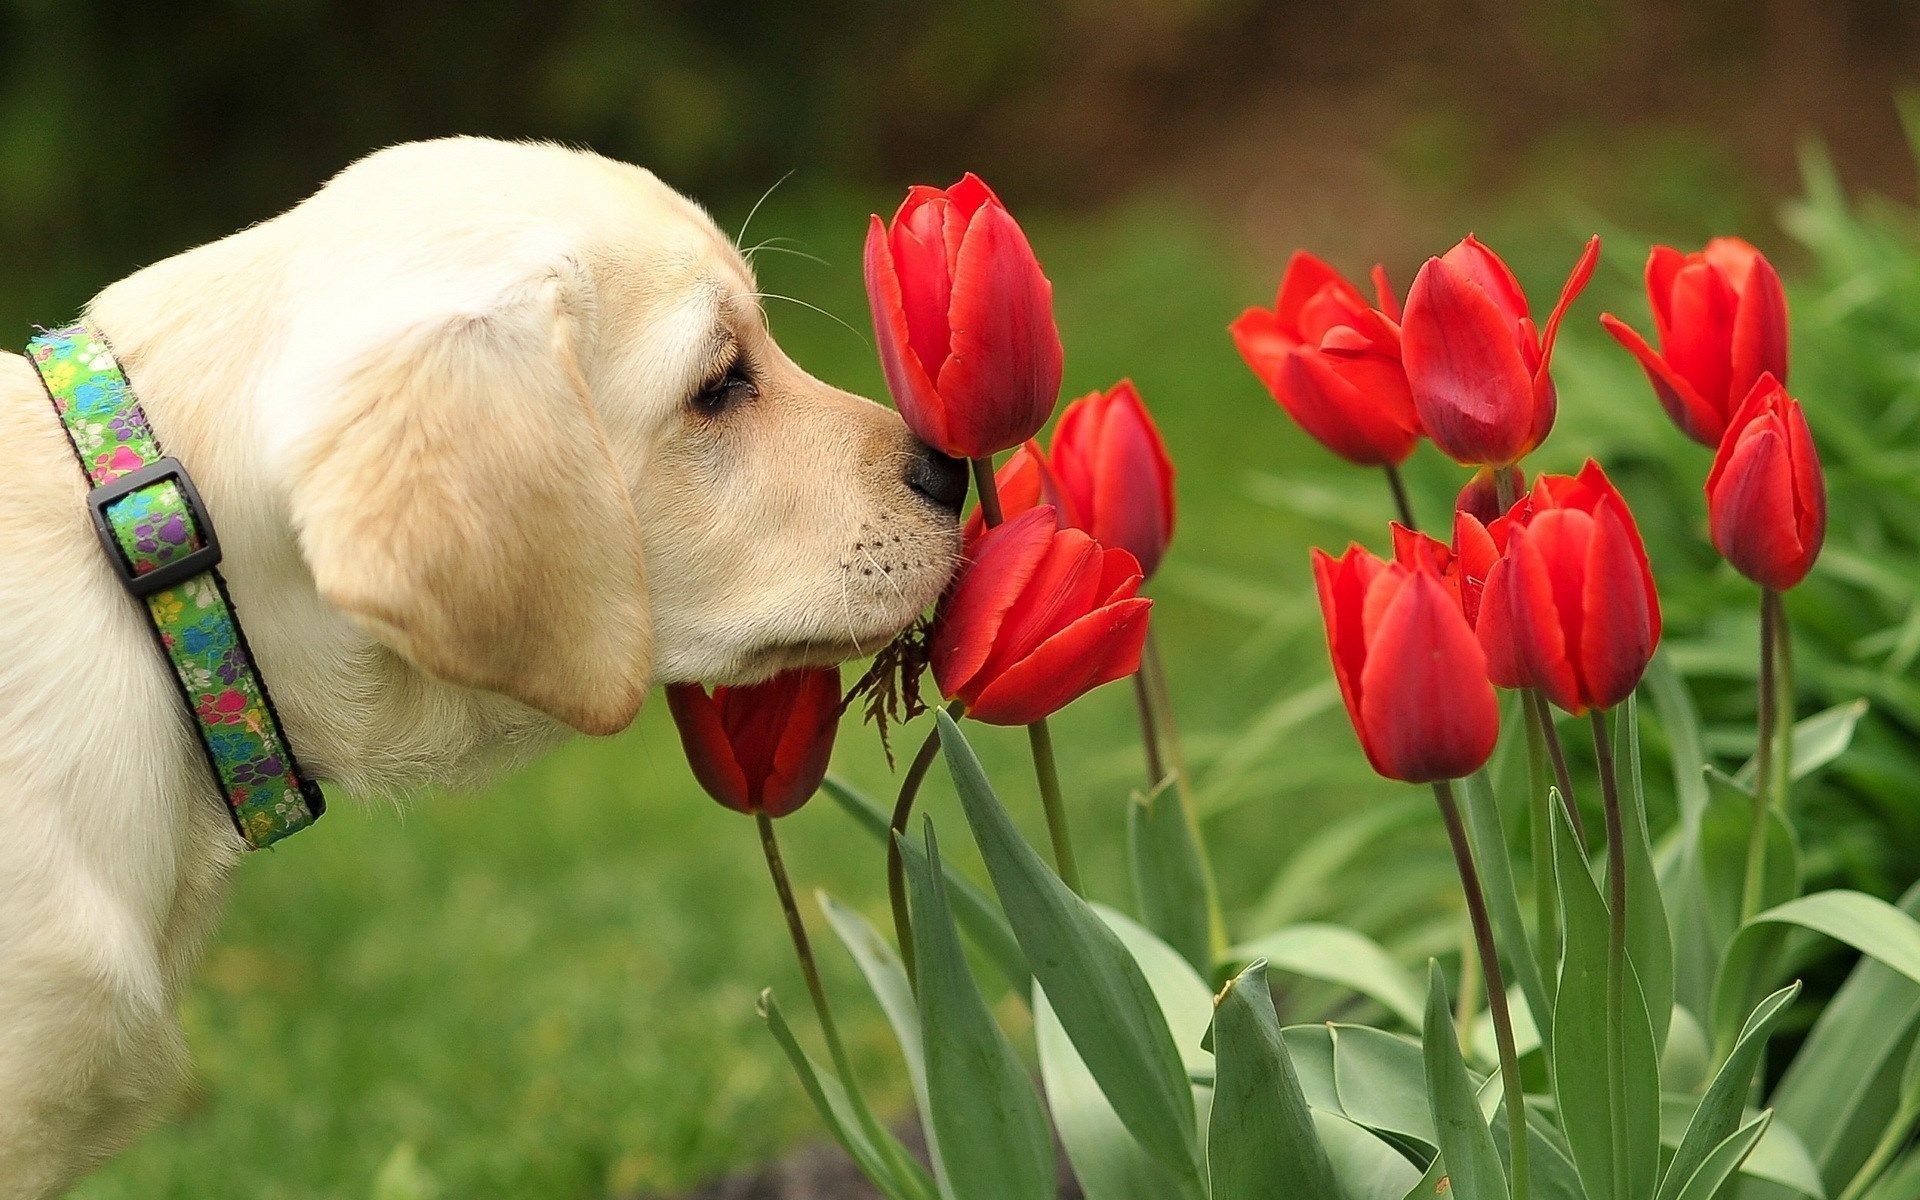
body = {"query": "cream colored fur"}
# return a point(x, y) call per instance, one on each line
point(441, 414)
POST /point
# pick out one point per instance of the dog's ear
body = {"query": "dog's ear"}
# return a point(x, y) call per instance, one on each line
point(460, 500)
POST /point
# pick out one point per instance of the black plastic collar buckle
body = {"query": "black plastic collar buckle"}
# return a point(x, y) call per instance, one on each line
point(194, 562)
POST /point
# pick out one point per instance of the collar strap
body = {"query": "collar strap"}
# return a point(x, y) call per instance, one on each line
point(160, 540)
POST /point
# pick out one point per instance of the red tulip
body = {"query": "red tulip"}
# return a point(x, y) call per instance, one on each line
point(1412, 675)
point(1039, 616)
point(1721, 317)
point(1478, 368)
point(1024, 482)
point(763, 747)
point(964, 320)
point(1766, 495)
point(1333, 363)
point(1115, 473)
point(1571, 608)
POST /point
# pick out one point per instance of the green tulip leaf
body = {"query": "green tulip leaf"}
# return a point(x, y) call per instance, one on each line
point(971, 907)
point(1107, 1161)
point(1490, 853)
point(1870, 925)
point(887, 978)
point(1097, 990)
point(1261, 1142)
point(1717, 1165)
point(1817, 741)
point(988, 1132)
point(1720, 1110)
point(1649, 940)
point(1366, 1167)
point(1338, 955)
point(890, 1167)
point(1172, 884)
point(1466, 1144)
point(1841, 1089)
point(1603, 1102)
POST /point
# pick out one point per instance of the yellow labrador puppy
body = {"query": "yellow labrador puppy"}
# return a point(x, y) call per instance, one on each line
point(495, 436)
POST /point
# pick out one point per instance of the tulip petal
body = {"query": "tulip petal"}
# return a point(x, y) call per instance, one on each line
point(1699, 340)
point(1428, 708)
point(913, 391)
point(1663, 266)
point(1098, 648)
point(1064, 585)
point(999, 566)
point(1618, 630)
point(1472, 389)
point(811, 710)
point(1809, 482)
point(1307, 276)
point(1371, 428)
point(925, 273)
point(1759, 328)
point(1576, 283)
point(1752, 512)
point(1005, 358)
point(1542, 639)
point(1263, 342)
point(1495, 628)
point(1383, 297)
point(1472, 259)
point(709, 752)
point(1127, 474)
point(1696, 418)
point(1342, 585)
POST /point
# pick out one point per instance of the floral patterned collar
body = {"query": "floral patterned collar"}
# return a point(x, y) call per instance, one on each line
point(157, 535)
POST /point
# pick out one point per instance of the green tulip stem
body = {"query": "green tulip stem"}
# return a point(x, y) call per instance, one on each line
point(1400, 499)
point(1048, 774)
point(1556, 754)
point(1038, 735)
point(897, 829)
point(1153, 674)
point(803, 950)
point(1616, 946)
point(1516, 1099)
point(1149, 729)
point(983, 482)
point(1754, 895)
point(1546, 888)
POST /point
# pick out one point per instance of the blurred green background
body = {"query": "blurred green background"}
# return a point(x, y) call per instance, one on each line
point(546, 989)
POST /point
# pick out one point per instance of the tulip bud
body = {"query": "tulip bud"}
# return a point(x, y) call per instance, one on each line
point(1481, 496)
point(1115, 473)
point(1721, 317)
point(1766, 494)
point(1478, 368)
point(1412, 675)
point(1333, 363)
point(763, 747)
point(1571, 607)
point(1039, 616)
point(963, 318)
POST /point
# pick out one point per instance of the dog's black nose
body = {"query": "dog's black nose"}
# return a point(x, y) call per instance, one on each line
point(940, 479)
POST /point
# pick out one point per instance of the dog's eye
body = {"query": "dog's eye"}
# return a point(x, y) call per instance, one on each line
point(735, 386)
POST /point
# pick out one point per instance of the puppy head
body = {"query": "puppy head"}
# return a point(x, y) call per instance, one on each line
point(561, 455)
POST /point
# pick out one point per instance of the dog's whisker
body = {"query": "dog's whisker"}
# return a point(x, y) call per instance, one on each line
point(742, 235)
point(834, 317)
point(750, 251)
